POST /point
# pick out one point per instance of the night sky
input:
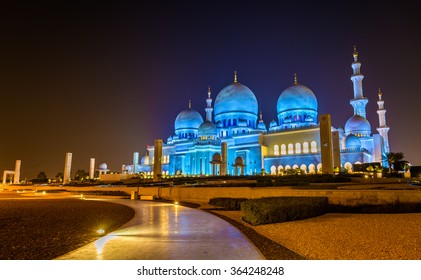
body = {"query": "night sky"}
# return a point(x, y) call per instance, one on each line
point(104, 80)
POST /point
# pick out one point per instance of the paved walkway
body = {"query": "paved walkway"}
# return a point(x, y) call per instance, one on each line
point(161, 231)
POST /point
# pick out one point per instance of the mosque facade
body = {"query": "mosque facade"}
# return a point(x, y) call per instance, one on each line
point(234, 140)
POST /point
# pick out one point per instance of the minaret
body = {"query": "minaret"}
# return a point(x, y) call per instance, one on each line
point(383, 129)
point(209, 108)
point(235, 77)
point(261, 125)
point(359, 102)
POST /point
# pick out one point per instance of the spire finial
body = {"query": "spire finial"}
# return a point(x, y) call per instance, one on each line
point(355, 54)
point(189, 104)
point(235, 76)
point(380, 94)
point(209, 92)
point(295, 79)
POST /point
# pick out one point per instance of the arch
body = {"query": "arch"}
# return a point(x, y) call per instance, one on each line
point(276, 150)
point(295, 166)
point(313, 146)
point(319, 168)
point(287, 167)
point(311, 169)
point(290, 149)
point(273, 170)
point(303, 167)
point(348, 167)
point(305, 148)
point(280, 170)
point(283, 149)
point(357, 162)
point(298, 148)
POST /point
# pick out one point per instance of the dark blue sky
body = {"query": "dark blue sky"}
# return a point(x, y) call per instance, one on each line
point(104, 80)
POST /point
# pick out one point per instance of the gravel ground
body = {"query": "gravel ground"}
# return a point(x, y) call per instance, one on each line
point(43, 229)
point(346, 236)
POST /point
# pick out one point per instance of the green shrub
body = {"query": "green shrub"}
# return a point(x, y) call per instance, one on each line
point(227, 203)
point(282, 209)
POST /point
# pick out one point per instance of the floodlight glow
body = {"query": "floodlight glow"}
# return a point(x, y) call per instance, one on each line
point(100, 231)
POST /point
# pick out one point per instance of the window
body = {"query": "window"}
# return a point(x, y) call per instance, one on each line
point(290, 149)
point(297, 148)
point(276, 150)
point(280, 170)
point(313, 147)
point(283, 149)
point(305, 147)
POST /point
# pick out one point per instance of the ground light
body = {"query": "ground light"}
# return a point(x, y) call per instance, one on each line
point(100, 232)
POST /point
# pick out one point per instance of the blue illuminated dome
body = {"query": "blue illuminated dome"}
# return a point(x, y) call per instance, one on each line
point(187, 123)
point(358, 125)
point(297, 107)
point(236, 104)
point(207, 128)
point(352, 142)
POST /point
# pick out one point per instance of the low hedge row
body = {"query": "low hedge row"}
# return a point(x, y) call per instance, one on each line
point(227, 203)
point(282, 209)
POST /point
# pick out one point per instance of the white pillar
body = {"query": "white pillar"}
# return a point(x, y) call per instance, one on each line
point(16, 178)
point(135, 162)
point(67, 168)
point(92, 169)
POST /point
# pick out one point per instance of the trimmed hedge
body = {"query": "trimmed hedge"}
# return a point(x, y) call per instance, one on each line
point(396, 207)
point(282, 209)
point(227, 203)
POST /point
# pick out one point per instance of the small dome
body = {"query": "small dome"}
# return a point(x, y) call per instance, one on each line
point(261, 125)
point(207, 128)
point(239, 161)
point(216, 157)
point(188, 119)
point(273, 123)
point(352, 142)
point(219, 124)
point(297, 97)
point(103, 166)
point(358, 125)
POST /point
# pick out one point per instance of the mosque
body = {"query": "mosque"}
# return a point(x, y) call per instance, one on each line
point(234, 140)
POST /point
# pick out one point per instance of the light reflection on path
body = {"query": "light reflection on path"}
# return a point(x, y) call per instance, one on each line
point(161, 231)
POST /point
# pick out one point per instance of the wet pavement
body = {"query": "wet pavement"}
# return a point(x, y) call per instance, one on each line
point(161, 231)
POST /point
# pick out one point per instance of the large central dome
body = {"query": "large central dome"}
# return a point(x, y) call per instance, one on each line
point(235, 98)
point(297, 107)
point(297, 97)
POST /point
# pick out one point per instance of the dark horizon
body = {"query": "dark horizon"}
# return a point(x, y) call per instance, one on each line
point(104, 80)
